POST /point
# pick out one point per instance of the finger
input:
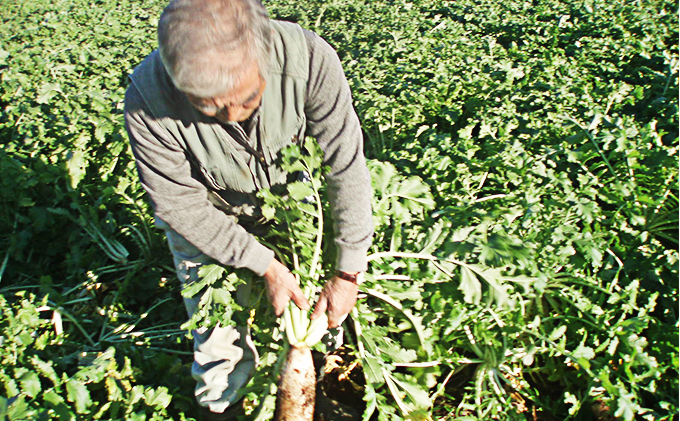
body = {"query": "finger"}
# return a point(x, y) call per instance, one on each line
point(336, 314)
point(299, 298)
point(279, 303)
point(320, 308)
point(336, 321)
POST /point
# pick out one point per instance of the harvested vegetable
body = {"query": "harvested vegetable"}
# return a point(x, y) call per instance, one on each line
point(296, 393)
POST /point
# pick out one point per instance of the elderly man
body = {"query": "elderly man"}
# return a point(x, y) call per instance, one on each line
point(207, 114)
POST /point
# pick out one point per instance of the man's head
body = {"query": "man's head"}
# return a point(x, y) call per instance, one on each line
point(216, 52)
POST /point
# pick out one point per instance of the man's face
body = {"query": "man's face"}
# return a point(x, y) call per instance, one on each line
point(237, 104)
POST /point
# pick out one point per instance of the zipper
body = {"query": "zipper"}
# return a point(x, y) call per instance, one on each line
point(242, 139)
point(260, 141)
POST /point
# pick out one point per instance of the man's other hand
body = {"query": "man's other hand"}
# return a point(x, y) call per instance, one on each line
point(282, 287)
point(337, 298)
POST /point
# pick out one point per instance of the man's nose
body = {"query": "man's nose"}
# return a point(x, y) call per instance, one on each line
point(234, 113)
point(210, 112)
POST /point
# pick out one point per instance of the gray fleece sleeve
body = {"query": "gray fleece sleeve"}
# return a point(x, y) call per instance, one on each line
point(331, 119)
point(180, 200)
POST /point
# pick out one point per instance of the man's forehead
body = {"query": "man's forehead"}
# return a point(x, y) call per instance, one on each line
point(247, 87)
point(232, 62)
point(245, 91)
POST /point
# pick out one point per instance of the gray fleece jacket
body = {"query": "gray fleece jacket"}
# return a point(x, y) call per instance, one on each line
point(180, 194)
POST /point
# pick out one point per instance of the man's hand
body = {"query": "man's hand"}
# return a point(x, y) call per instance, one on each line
point(338, 297)
point(282, 287)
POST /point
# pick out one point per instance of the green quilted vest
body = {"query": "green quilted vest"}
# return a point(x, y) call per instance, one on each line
point(232, 179)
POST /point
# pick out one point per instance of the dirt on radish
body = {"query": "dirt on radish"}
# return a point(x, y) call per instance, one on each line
point(296, 393)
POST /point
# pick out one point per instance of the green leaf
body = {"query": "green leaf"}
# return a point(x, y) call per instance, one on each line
point(417, 392)
point(30, 382)
point(627, 408)
point(314, 156)
point(114, 392)
point(158, 398)
point(499, 291)
point(416, 193)
point(135, 395)
point(470, 286)
point(52, 397)
point(221, 296)
point(48, 91)
point(46, 370)
point(26, 202)
point(4, 55)
point(435, 236)
point(211, 273)
point(58, 405)
point(78, 394)
point(299, 190)
point(528, 359)
point(268, 212)
point(461, 234)
point(371, 399)
point(372, 370)
point(19, 410)
point(557, 333)
point(76, 163)
point(583, 352)
point(396, 352)
point(192, 289)
point(382, 174)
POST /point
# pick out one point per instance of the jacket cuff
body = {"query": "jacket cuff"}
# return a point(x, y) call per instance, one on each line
point(258, 259)
point(351, 260)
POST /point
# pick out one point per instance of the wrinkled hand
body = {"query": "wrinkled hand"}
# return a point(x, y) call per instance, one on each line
point(282, 287)
point(337, 298)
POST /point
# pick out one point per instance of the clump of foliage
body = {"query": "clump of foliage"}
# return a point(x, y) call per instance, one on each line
point(41, 383)
point(548, 134)
point(74, 225)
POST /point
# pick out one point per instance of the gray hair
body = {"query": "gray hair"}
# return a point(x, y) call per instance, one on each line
point(207, 45)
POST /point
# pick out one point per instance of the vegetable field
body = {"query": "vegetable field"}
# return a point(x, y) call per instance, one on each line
point(524, 157)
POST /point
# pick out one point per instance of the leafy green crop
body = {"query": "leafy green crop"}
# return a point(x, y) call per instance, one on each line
point(534, 142)
point(388, 335)
point(36, 385)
